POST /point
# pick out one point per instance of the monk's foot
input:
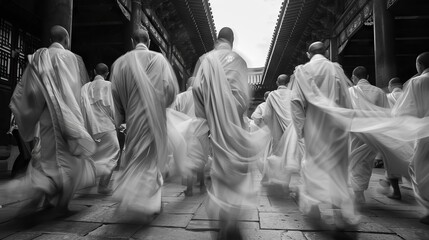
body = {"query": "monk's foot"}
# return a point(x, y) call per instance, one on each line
point(425, 220)
point(314, 213)
point(395, 196)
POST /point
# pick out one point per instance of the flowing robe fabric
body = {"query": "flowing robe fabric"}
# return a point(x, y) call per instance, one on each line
point(99, 112)
point(414, 102)
point(287, 149)
point(192, 130)
point(221, 96)
point(362, 155)
point(394, 96)
point(325, 165)
point(257, 115)
point(143, 85)
point(46, 109)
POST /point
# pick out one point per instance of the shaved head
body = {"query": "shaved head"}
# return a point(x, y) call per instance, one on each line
point(316, 48)
point(360, 72)
point(422, 62)
point(266, 95)
point(141, 36)
point(227, 34)
point(60, 35)
point(282, 80)
point(395, 83)
point(190, 81)
point(101, 69)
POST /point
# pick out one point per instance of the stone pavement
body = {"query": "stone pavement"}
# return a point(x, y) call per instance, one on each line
point(276, 216)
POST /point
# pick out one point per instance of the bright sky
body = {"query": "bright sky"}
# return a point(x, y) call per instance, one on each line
point(253, 23)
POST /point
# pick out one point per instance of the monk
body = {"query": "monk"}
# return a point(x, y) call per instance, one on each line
point(99, 113)
point(221, 96)
point(46, 107)
point(325, 168)
point(143, 86)
point(415, 103)
point(362, 155)
point(184, 103)
point(395, 89)
point(287, 149)
point(257, 115)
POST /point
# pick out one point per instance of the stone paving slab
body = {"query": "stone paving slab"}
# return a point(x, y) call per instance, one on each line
point(412, 234)
point(115, 231)
point(61, 237)
point(78, 228)
point(293, 235)
point(203, 225)
point(182, 207)
point(157, 233)
point(390, 223)
point(372, 236)
point(22, 236)
point(172, 220)
point(286, 221)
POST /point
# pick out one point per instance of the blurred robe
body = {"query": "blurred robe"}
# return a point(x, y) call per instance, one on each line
point(287, 149)
point(184, 103)
point(362, 155)
point(143, 86)
point(46, 109)
point(325, 166)
point(257, 115)
point(394, 96)
point(221, 96)
point(84, 78)
point(414, 102)
point(99, 112)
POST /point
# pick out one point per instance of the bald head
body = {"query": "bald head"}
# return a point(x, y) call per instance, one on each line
point(266, 95)
point(422, 62)
point(359, 73)
point(316, 48)
point(190, 82)
point(141, 36)
point(282, 80)
point(227, 34)
point(102, 69)
point(394, 83)
point(60, 35)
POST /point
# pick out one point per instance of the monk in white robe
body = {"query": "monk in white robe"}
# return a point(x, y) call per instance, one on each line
point(99, 112)
point(287, 149)
point(46, 106)
point(257, 115)
point(414, 102)
point(184, 103)
point(362, 155)
point(395, 89)
point(221, 96)
point(325, 166)
point(143, 86)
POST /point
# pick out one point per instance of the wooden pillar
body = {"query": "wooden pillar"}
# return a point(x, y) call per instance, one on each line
point(56, 12)
point(333, 49)
point(384, 40)
point(136, 15)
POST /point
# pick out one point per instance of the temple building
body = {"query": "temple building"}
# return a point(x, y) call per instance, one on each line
point(385, 36)
point(100, 31)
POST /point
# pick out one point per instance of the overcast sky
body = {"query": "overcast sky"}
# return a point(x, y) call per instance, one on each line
point(253, 23)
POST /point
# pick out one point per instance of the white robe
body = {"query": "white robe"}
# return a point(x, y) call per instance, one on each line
point(362, 155)
point(325, 166)
point(257, 115)
point(414, 102)
point(221, 96)
point(143, 86)
point(46, 109)
point(287, 149)
point(394, 96)
point(99, 113)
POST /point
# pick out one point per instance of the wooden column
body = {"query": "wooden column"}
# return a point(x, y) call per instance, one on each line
point(333, 49)
point(384, 40)
point(136, 15)
point(56, 12)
